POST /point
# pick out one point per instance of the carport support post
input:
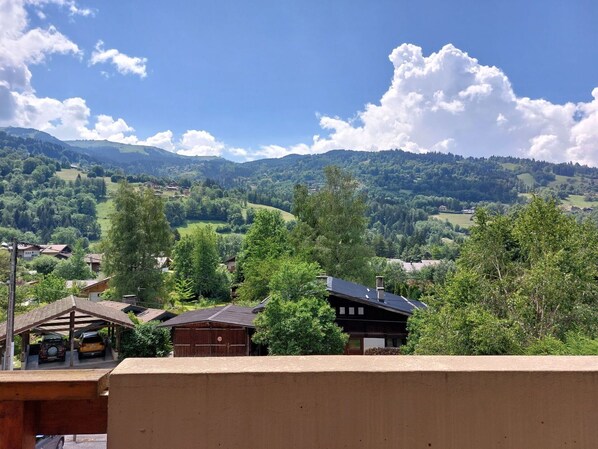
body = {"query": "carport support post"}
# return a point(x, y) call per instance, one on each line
point(72, 337)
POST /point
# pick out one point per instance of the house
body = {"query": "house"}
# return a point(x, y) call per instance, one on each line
point(27, 251)
point(214, 332)
point(411, 267)
point(163, 263)
point(58, 251)
point(94, 262)
point(231, 264)
point(91, 288)
point(372, 317)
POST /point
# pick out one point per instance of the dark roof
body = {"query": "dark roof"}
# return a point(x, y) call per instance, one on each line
point(43, 315)
point(155, 315)
point(122, 306)
point(229, 314)
point(363, 295)
point(366, 295)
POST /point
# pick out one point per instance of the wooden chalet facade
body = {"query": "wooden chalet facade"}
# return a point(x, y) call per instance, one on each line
point(215, 332)
point(373, 318)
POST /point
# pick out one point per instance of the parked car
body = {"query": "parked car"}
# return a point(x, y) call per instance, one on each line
point(91, 344)
point(49, 442)
point(52, 347)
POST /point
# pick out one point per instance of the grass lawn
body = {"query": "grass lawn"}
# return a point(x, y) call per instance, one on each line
point(104, 209)
point(510, 166)
point(527, 179)
point(463, 220)
point(192, 224)
point(70, 174)
point(285, 215)
point(578, 201)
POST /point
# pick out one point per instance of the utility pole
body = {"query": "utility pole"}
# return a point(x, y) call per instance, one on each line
point(10, 318)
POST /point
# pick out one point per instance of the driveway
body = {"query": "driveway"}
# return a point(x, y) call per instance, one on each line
point(85, 442)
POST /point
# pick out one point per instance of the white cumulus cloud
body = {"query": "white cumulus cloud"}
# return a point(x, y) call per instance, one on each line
point(448, 101)
point(126, 65)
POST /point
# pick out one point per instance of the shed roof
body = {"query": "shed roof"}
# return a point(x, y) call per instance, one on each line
point(229, 314)
point(61, 308)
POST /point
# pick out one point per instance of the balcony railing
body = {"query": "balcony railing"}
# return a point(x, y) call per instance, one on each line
point(312, 402)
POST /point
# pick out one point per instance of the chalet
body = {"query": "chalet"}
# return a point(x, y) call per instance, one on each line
point(91, 288)
point(58, 251)
point(372, 317)
point(411, 267)
point(28, 251)
point(94, 262)
point(215, 332)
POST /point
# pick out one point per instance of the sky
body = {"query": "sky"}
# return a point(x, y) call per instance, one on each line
point(248, 80)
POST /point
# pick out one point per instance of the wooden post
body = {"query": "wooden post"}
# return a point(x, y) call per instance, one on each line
point(10, 316)
point(16, 422)
point(25, 339)
point(72, 337)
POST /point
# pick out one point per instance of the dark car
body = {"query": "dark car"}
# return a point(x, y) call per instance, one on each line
point(52, 347)
point(91, 344)
point(49, 442)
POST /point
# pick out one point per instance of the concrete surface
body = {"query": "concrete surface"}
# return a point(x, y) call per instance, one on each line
point(355, 402)
point(85, 442)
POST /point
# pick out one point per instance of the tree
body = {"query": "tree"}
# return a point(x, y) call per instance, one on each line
point(44, 264)
point(195, 258)
point(266, 242)
point(74, 268)
point(298, 320)
point(145, 340)
point(138, 234)
point(332, 226)
point(50, 288)
point(521, 280)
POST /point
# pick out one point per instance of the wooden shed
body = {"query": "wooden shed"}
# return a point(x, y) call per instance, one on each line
point(214, 332)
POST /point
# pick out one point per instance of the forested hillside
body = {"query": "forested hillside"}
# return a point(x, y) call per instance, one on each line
point(418, 205)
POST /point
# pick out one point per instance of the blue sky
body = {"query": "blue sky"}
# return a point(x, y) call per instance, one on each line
point(246, 80)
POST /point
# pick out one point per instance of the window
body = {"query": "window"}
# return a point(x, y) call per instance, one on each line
point(351, 310)
point(341, 310)
point(360, 311)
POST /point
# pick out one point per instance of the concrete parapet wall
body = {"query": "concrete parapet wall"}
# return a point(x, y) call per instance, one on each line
point(371, 402)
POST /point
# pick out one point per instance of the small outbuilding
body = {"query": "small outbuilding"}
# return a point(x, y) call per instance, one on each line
point(214, 332)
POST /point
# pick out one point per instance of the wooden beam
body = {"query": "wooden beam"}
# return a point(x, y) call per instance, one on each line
point(52, 384)
point(72, 338)
point(72, 417)
point(16, 424)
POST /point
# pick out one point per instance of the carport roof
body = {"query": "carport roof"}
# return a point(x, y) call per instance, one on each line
point(43, 315)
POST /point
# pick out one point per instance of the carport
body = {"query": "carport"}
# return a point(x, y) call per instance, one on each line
point(70, 314)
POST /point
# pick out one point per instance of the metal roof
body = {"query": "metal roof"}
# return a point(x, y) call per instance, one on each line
point(57, 311)
point(229, 314)
point(366, 295)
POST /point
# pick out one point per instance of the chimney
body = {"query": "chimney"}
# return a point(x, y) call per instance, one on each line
point(380, 288)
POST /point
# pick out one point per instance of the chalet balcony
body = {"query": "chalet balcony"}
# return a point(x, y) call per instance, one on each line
point(312, 402)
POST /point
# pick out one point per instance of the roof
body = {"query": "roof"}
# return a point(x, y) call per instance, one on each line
point(155, 315)
point(229, 314)
point(87, 283)
point(85, 308)
point(94, 258)
point(56, 248)
point(410, 267)
point(145, 314)
point(122, 306)
point(366, 295)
